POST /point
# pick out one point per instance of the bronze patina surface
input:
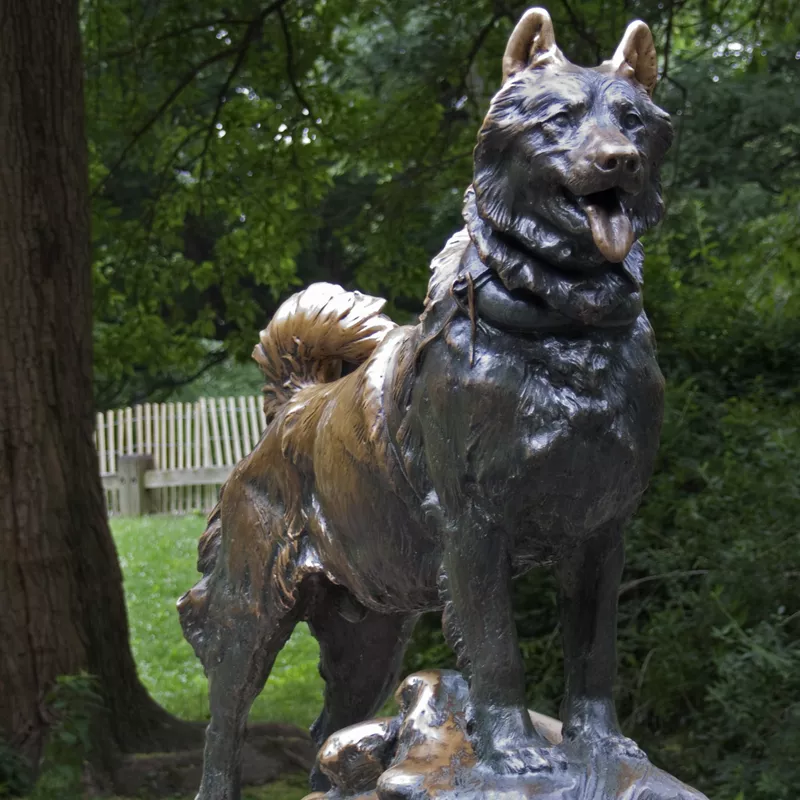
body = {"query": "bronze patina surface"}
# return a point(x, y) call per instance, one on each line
point(425, 753)
point(417, 468)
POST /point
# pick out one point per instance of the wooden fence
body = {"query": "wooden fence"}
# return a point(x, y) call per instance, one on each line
point(173, 457)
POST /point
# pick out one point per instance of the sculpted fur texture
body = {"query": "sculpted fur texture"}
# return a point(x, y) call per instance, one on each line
point(407, 469)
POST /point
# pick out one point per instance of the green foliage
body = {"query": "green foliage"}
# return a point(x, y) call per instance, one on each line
point(15, 774)
point(75, 707)
point(292, 787)
point(158, 556)
point(229, 378)
point(240, 152)
point(712, 587)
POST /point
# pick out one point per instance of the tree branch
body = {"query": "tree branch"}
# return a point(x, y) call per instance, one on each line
point(254, 27)
point(753, 18)
point(223, 92)
point(475, 49)
point(580, 27)
point(170, 384)
point(155, 116)
point(173, 34)
point(687, 573)
point(290, 62)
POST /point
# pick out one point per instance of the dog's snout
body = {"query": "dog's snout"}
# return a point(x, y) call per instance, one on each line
point(614, 157)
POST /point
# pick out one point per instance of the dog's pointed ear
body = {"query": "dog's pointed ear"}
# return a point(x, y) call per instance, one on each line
point(635, 57)
point(532, 44)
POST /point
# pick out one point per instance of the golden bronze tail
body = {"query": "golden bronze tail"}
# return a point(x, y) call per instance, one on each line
point(312, 335)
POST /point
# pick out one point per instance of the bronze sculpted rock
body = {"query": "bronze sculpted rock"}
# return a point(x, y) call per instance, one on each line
point(413, 468)
point(425, 752)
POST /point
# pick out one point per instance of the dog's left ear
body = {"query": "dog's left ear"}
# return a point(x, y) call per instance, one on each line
point(532, 44)
point(635, 57)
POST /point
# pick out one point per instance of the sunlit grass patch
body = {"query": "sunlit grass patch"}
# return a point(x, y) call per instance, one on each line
point(158, 556)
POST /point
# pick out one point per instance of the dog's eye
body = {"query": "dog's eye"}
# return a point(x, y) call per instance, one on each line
point(560, 120)
point(631, 121)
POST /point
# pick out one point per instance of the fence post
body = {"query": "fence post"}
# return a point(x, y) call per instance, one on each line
point(132, 493)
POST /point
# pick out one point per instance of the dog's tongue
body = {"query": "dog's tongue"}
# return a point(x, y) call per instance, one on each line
point(611, 229)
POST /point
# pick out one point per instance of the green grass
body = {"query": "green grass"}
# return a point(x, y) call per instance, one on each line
point(158, 556)
point(293, 787)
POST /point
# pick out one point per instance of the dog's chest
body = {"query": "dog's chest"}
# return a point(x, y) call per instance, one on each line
point(556, 434)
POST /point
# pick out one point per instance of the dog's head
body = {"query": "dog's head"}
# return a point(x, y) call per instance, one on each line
point(568, 157)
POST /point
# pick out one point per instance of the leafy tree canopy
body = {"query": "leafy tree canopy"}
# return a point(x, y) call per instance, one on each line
point(242, 149)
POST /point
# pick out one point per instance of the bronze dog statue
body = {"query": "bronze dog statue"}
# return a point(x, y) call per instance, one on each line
point(407, 469)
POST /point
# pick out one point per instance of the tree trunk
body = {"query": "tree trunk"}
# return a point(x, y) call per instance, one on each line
point(61, 600)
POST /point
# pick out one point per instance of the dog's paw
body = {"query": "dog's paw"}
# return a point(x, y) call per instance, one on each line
point(524, 760)
point(618, 746)
point(606, 740)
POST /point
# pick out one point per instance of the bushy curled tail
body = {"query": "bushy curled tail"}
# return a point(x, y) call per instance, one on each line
point(312, 335)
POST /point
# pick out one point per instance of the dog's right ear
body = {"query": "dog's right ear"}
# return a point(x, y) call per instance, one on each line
point(532, 44)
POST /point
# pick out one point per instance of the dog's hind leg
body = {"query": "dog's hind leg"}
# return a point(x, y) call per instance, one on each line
point(361, 654)
point(238, 626)
point(246, 649)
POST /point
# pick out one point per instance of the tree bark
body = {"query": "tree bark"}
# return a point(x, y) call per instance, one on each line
point(61, 601)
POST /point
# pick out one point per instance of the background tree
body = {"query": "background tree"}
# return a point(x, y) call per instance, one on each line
point(60, 583)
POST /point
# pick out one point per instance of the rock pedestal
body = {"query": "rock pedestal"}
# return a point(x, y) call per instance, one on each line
point(424, 753)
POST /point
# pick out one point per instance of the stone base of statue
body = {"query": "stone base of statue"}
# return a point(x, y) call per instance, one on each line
point(425, 753)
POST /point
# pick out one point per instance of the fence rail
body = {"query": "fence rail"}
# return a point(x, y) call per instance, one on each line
point(192, 448)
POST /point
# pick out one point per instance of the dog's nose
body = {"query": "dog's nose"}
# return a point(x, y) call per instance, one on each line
point(615, 157)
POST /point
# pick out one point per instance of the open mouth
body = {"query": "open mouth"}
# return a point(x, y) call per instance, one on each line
point(610, 226)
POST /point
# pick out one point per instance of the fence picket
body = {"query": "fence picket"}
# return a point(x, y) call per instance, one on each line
point(155, 408)
point(246, 444)
point(255, 430)
point(162, 414)
point(262, 420)
point(226, 434)
point(119, 427)
point(171, 492)
point(181, 464)
point(207, 462)
point(197, 491)
point(184, 440)
point(112, 447)
point(212, 408)
point(139, 429)
point(236, 438)
point(129, 447)
point(164, 454)
point(148, 435)
point(101, 443)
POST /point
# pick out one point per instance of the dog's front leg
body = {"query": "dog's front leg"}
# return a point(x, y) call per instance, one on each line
point(478, 576)
point(589, 580)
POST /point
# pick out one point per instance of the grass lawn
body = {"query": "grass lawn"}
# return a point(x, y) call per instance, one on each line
point(158, 556)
